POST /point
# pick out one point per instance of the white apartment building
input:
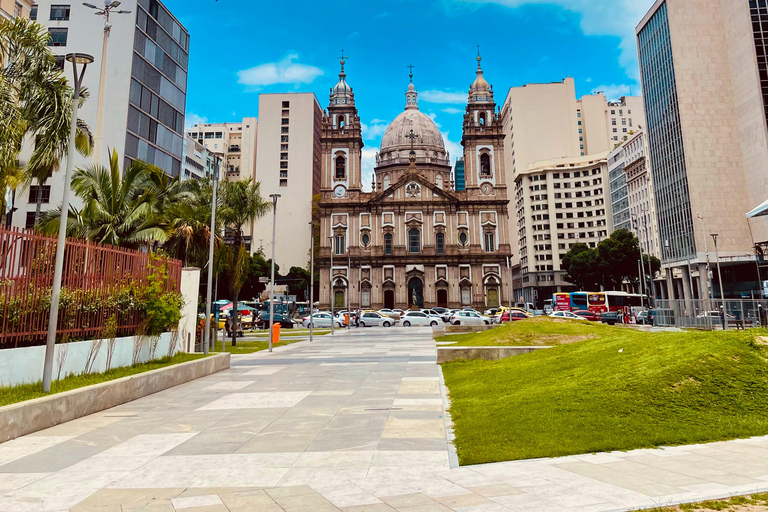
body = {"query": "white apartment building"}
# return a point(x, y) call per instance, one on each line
point(624, 118)
point(235, 143)
point(146, 81)
point(199, 163)
point(558, 203)
point(288, 163)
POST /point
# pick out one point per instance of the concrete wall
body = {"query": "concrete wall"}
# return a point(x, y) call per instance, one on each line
point(190, 290)
point(24, 418)
point(25, 365)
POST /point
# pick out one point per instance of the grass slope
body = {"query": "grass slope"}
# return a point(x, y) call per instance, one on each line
point(12, 395)
point(539, 331)
point(623, 390)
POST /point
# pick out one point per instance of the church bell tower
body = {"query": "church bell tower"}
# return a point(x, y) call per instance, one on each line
point(483, 137)
point(342, 141)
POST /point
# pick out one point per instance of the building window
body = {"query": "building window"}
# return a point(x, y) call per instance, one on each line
point(284, 129)
point(209, 135)
point(388, 243)
point(45, 197)
point(481, 118)
point(33, 13)
point(286, 104)
point(59, 13)
point(341, 167)
point(283, 147)
point(440, 243)
point(339, 245)
point(284, 121)
point(283, 156)
point(219, 135)
point(283, 183)
point(57, 37)
point(284, 138)
point(283, 165)
point(366, 239)
point(485, 165)
point(30, 222)
point(414, 241)
point(284, 174)
point(463, 238)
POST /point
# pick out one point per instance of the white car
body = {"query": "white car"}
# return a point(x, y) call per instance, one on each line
point(469, 318)
point(321, 320)
point(568, 315)
point(389, 313)
point(432, 313)
point(419, 319)
point(371, 319)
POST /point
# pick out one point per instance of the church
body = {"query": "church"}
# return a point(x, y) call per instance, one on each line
point(413, 241)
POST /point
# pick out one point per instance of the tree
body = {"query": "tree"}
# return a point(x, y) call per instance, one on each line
point(583, 267)
point(120, 211)
point(241, 205)
point(299, 282)
point(187, 212)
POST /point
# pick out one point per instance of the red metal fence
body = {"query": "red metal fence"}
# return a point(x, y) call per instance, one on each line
point(99, 288)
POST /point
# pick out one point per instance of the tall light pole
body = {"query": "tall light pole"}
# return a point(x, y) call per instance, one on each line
point(98, 139)
point(53, 319)
point(312, 282)
point(333, 319)
point(274, 197)
point(642, 264)
point(212, 236)
point(706, 252)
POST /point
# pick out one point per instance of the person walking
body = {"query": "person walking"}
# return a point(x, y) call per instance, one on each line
point(761, 315)
point(722, 317)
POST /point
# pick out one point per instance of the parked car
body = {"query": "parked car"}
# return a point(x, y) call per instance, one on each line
point(448, 314)
point(439, 311)
point(469, 318)
point(419, 319)
point(373, 319)
point(320, 320)
point(390, 313)
point(513, 316)
point(492, 312)
point(432, 313)
point(588, 315)
point(284, 321)
point(609, 317)
point(567, 315)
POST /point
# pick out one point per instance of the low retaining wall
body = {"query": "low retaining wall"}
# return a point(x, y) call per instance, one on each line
point(448, 354)
point(24, 418)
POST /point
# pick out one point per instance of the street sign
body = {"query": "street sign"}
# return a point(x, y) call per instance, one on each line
point(263, 279)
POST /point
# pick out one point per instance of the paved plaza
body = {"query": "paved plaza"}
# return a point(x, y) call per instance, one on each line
point(355, 422)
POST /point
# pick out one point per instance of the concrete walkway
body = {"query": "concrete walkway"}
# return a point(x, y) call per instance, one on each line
point(353, 422)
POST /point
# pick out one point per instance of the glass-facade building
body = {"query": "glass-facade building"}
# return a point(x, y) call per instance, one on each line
point(459, 177)
point(758, 10)
point(619, 195)
point(158, 89)
point(667, 153)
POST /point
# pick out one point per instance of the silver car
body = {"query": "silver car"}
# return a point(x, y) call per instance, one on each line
point(373, 319)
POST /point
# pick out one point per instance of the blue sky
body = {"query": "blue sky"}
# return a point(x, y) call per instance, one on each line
point(240, 48)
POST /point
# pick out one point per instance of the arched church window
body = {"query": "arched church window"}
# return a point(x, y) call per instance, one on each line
point(342, 122)
point(440, 243)
point(481, 118)
point(388, 243)
point(485, 165)
point(439, 181)
point(463, 238)
point(414, 241)
point(341, 168)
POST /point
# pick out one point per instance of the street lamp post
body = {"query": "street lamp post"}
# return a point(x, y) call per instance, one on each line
point(212, 236)
point(642, 264)
point(312, 281)
point(720, 278)
point(274, 197)
point(333, 319)
point(706, 252)
point(98, 139)
point(53, 318)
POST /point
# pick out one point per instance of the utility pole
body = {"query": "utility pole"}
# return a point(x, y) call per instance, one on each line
point(274, 197)
point(720, 278)
point(330, 287)
point(312, 282)
point(209, 290)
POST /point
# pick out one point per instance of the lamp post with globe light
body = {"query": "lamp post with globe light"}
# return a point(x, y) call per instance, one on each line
point(77, 59)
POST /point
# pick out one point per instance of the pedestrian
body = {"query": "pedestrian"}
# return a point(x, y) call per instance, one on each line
point(228, 326)
point(762, 315)
point(357, 317)
point(722, 317)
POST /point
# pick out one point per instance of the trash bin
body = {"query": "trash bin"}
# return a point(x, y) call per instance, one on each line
point(276, 333)
point(346, 319)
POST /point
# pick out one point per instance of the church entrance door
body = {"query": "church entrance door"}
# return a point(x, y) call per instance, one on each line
point(389, 299)
point(338, 302)
point(415, 293)
point(442, 298)
point(493, 298)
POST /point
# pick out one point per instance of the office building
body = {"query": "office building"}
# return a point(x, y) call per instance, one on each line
point(705, 85)
point(558, 203)
point(459, 179)
point(288, 163)
point(199, 163)
point(624, 118)
point(10, 9)
point(235, 143)
point(146, 81)
point(617, 179)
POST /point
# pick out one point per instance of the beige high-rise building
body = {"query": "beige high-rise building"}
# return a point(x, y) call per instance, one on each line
point(288, 163)
point(558, 203)
point(705, 83)
point(10, 9)
point(235, 143)
point(624, 118)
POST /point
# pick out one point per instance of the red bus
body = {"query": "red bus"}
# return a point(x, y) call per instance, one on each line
point(598, 302)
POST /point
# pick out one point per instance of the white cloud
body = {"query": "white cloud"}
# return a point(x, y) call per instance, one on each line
point(433, 117)
point(616, 91)
point(192, 119)
point(374, 130)
point(443, 97)
point(284, 72)
point(454, 148)
point(451, 110)
point(616, 18)
point(368, 163)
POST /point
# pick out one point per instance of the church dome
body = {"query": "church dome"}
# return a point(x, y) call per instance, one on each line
point(342, 93)
point(397, 135)
point(480, 91)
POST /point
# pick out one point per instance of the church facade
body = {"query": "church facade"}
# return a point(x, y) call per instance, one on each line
point(413, 240)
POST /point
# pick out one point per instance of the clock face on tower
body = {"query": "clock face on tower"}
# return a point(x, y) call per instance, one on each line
point(340, 191)
point(487, 188)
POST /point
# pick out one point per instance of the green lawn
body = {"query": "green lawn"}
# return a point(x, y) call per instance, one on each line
point(11, 395)
point(622, 390)
point(539, 331)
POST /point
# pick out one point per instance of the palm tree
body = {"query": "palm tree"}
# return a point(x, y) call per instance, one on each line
point(119, 210)
point(241, 205)
point(189, 223)
point(36, 100)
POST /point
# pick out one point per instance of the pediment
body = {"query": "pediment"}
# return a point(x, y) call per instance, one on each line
point(408, 179)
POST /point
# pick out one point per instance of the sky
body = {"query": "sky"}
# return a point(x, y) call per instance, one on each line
point(240, 48)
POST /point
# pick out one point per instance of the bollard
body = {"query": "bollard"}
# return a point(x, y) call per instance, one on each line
point(276, 333)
